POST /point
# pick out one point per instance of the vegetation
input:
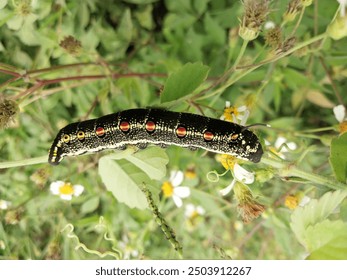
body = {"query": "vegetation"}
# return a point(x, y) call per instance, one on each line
point(281, 62)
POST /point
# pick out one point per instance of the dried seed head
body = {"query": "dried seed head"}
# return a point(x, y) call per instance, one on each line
point(8, 110)
point(294, 7)
point(274, 37)
point(71, 45)
point(286, 45)
point(40, 176)
point(13, 217)
point(248, 207)
point(254, 16)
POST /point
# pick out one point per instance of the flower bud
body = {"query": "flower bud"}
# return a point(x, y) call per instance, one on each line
point(337, 29)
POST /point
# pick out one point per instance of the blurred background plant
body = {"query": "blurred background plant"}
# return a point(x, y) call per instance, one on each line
point(278, 62)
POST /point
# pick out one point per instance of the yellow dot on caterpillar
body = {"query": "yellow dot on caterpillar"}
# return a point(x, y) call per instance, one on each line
point(233, 137)
point(208, 136)
point(66, 138)
point(80, 135)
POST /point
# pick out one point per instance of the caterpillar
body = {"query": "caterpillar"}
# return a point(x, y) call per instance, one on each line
point(155, 126)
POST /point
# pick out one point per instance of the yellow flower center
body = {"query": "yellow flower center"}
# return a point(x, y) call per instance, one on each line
point(229, 112)
point(194, 215)
point(227, 161)
point(190, 174)
point(167, 189)
point(66, 189)
point(343, 127)
point(291, 201)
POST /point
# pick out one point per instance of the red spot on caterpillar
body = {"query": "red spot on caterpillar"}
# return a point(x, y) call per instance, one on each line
point(208, 136)
point(100, 131)
point(181, 131)
point(150, 126)
point(124, 126)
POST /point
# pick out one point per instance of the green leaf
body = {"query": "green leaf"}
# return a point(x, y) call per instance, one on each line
point(90, 205)
point(125, 29)
point(122, 180)
point(3, 3)
point(338, 159)
point(200, 6)
point(184, 81)
point(327, 240)
point(314, 212)
point(294, 79)
point(124, 173)
point(214, 30)
point(152, 161)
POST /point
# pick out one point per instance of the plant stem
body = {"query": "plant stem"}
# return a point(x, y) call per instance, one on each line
point(241, 53)
point(251, 67)
point(23, 162)
point(290, 170)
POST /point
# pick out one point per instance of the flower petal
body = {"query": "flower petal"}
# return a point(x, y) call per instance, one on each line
point(228, 189)
point(66, 196)
point(176, 178)
point(78, 189)
point(177, 200)
point(4, 204)
point(189, 210)
point(200, 210)
point(269, 25)
point(242, 108)
point(182, 192)
point(55, 187)
point(339, 112)
point(304, 201)
point(244, 117)
point(243, 175)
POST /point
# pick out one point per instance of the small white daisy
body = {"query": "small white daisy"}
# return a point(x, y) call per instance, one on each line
point(193, 211)
point(4, 204)
point(340, 113)
point(283, 148)
point(240, 175)
point(173, 189)
point(66, 190)
point(269, 25)
point(237, 115)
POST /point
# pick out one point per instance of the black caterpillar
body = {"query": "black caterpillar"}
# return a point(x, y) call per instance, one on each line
point(142, 126)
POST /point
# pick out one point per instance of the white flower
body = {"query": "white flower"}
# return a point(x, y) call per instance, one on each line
point(343, 4)
point(340, 112)
point(128, 250)
point(237, 115)
point(193, 211)
point(65, 189)
point(269, 25)
point(283, 148)
point(304, 201)
point(4, 204)
point(240, 175)
point(173, 189)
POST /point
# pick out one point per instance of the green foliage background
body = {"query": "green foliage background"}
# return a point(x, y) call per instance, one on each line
point(170, 54)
